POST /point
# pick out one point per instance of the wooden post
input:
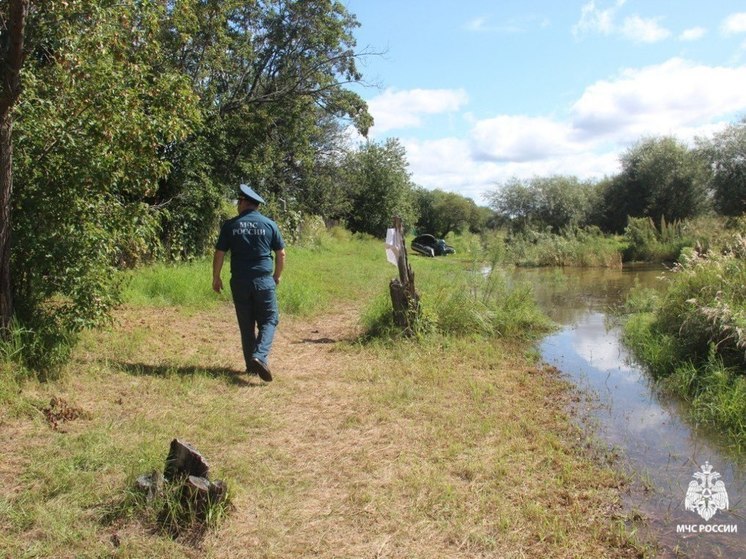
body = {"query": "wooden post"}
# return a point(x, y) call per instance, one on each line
point(404, 297)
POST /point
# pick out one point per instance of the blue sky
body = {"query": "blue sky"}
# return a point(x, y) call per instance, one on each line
point(481, 91)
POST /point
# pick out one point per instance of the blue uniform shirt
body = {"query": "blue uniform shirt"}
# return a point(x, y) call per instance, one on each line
point(251, 238)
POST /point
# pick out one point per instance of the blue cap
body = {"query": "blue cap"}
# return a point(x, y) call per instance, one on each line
point(248, 192)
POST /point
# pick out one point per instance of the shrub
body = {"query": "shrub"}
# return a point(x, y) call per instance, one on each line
point(646, 242)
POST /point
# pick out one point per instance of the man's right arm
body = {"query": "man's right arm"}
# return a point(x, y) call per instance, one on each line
point(279, 265)
point(217, 266)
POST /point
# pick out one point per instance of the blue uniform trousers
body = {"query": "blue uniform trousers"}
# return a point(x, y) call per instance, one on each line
point(256, 309)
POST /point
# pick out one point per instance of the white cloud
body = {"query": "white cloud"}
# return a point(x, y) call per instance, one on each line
point(596, 20)
point(734, 23)
point(602, 21)
point(448, 164)
point(659, 99)
point(520, 138)
point(404, 109)
point(692, 34)
point(642, 30)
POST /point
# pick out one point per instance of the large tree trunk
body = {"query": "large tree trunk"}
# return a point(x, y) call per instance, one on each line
point(6, 189)
point(10, 88)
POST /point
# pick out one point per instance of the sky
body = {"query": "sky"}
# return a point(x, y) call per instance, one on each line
point(479, 92)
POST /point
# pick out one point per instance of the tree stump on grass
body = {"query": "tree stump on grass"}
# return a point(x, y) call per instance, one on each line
point(184, 460)
point(186, 476)
point(404, 298)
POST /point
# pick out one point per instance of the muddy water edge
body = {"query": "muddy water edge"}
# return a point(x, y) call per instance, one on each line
point(651, 432)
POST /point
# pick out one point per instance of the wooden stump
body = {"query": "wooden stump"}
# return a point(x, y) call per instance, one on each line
point(404, 297)
point(183, 460)
point(186, 478)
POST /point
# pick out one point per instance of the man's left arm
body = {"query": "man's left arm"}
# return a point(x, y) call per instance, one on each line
point(279, 265)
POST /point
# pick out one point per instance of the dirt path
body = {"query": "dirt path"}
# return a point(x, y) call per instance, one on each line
point(333, 454)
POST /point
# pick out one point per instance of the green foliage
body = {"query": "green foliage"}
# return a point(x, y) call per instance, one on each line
point(555, 202)
point(95, 111)
point(646, 242)
point(726, 155)
point(139, 119)
point(660, 177)
point(586, 247)
point(270, 80)
point(694, 337)
point(444, 212)
point(381, 188)
point(706, 304)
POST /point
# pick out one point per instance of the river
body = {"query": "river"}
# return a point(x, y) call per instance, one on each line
point(651, 432)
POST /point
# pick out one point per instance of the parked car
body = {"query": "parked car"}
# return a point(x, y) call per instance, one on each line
point(428, 245)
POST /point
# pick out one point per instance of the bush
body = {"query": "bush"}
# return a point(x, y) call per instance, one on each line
point(705, 305)
point(648, 243)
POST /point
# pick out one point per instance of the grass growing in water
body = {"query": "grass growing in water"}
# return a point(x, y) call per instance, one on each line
point(575, 247)
point(648, 243)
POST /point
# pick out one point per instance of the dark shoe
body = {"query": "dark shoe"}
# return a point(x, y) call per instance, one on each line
point(259, 368)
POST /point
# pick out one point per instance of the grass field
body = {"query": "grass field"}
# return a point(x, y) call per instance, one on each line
point(455, 443)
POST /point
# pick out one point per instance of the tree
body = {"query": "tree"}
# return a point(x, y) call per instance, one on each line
point(380, 186)
point(726, 155)
point(555, 202)
point(269, 76)
point(515, 203)
point(12, 34)
point(96, 117)
point(660, 178)
point(444, 212)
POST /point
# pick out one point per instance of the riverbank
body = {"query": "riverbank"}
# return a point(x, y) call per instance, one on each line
point(692, 338)
point(457, 447)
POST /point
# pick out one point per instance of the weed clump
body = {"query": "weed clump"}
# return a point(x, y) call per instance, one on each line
point(648, 243)
point(465, 302)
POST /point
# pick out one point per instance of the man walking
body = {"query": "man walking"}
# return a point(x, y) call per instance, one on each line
point(251, 238)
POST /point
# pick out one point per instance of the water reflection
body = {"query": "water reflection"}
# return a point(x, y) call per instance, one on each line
point(651, 430)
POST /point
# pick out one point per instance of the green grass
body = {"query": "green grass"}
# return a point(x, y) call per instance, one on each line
point(586, 248)
point(423, 447)
point(462, 295)
point(692, 338)
point(315, 277)
point(161, 284)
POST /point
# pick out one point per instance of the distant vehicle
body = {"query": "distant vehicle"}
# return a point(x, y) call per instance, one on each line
point(428, 245)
